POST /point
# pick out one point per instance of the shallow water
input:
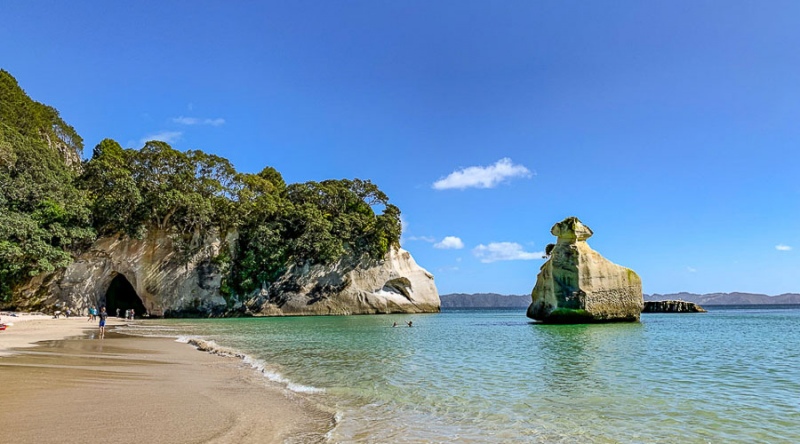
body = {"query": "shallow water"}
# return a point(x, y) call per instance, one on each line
point(729, 375)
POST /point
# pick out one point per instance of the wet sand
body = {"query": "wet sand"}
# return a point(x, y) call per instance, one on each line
point(125, 389)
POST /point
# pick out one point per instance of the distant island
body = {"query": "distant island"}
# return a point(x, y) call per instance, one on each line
point(494, 300)
point(734, 298)
point(484, 300)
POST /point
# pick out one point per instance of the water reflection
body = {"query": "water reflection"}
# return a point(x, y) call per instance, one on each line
point(574, 359)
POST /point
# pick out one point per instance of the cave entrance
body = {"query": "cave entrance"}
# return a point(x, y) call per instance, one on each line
point(121, 295)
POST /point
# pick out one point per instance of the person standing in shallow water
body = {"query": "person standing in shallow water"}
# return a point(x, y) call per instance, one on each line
point(103, 316)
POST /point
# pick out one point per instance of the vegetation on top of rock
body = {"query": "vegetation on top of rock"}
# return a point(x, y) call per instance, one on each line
point(50, 212)
point(31, 119)
point(44, 216)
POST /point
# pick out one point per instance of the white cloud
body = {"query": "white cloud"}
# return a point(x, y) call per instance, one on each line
point(691, 270)
point(403, 224)
point(781, 247)
point(504, 251)
point(428, 239)
point(482, 177)
point(164, 136)
point(449, 243)
point(198, 121)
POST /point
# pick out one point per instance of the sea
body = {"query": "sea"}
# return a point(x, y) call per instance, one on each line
point(731, 375)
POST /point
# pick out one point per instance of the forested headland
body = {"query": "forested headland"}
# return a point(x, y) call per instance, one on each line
point(54, 204)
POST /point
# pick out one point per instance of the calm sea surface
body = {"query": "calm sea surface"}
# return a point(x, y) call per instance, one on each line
point(729, 375)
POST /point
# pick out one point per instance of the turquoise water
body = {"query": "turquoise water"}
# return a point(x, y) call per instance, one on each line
point(493, 376)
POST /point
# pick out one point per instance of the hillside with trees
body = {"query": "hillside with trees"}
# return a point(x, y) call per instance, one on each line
point(53, 206)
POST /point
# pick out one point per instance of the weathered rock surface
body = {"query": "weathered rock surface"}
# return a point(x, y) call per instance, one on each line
point(672, 307)
point(393, 285)
point(162, 277)
point(578, 285)
point(169, 283)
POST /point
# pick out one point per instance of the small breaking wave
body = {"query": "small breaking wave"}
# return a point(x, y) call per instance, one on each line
point(257, 364)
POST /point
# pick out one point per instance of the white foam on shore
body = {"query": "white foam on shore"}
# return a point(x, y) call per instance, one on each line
point(212, 347)
point(257, 364)
point(337, 419)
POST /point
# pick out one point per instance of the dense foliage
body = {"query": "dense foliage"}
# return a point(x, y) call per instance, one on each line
point(44, 217)
point(50, 212)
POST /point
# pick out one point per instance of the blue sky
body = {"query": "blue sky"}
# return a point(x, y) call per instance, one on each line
point(670, 128)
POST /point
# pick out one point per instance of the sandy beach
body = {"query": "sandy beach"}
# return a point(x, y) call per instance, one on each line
point(62, 384)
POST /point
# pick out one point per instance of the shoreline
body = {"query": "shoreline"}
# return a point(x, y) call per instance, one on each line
point(61, 384)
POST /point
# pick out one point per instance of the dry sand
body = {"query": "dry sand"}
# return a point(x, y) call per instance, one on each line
point(125, 389)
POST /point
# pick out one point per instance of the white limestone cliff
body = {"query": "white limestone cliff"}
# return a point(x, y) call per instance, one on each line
point(576, 284)
point(168, 282)
point(162, 278)
point(395, 284)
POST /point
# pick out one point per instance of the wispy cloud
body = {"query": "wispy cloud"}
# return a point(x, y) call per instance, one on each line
point(164, 136)
point(691, 270)
point(504, 251)
point(449, 243)
point(482, 177)
point(199, 121)
point(781, 247)
point(428, 239)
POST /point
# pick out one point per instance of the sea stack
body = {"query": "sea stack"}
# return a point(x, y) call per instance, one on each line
point(578, 285)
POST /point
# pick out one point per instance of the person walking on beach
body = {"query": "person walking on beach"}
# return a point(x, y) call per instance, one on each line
point(103, 316)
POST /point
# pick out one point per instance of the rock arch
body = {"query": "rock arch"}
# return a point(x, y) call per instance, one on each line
point(121, 295)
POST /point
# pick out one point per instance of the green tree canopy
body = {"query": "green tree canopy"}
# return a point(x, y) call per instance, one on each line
point(51, 210)
point(44, 217)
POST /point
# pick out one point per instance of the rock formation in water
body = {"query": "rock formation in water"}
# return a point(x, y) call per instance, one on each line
point(578, 285)
point(395, 284)
point(672, 307)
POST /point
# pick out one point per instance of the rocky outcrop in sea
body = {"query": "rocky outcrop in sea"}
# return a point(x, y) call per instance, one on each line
point(672, 307)
point(578, 285)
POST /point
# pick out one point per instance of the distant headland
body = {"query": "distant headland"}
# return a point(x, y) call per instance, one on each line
point(495, 300)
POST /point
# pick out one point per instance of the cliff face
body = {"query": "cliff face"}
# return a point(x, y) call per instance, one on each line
point(167, 282)
point(577, 284)
point(161, 277)
point(395, 284)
